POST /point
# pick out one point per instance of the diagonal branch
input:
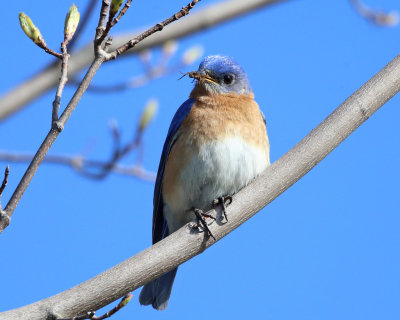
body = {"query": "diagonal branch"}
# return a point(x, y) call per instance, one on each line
point(112, 22)
point(121, 13)
point(48, 142)
point(158, 27)
point(185, 243)
point(213, 15)
point(57, 126)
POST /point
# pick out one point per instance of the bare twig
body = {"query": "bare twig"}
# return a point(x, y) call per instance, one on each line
point(61, 84)
point(4, 183)
point(118, 153)
point(158, 27)
point(105, 4)
point(82, 165)
point(377, 17)
point(48, 77)
point(108, 166)
point(111, 21)
point(3, 215)
point(53, 53)
point(87, 315)
point(100, 57)
point(49, 140)
point(91, 315)
point(122, 12)
point(42, 44)
point(184, 244)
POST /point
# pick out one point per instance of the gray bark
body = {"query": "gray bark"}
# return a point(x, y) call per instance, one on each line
point(31, 89)
point(185, 243)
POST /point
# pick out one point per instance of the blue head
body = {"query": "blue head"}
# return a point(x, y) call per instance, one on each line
point(220, 74)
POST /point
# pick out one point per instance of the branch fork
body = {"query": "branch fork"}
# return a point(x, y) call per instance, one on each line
point(101, 56)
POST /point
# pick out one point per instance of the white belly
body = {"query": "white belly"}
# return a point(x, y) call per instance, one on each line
point(218, 169)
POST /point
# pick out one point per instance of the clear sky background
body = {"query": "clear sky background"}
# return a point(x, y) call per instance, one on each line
point(328, 248)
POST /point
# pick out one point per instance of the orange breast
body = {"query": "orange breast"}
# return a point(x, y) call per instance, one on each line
point(212, 117)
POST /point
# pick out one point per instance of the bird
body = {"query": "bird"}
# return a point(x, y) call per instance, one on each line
point(217, 143)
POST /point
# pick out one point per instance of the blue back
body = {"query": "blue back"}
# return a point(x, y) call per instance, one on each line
point(160, 229)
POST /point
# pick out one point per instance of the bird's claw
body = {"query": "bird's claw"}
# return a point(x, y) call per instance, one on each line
point(200, 217)
point(223, 202)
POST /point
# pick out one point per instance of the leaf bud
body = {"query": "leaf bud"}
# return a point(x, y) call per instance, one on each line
point(71, 22)
point(31, 30)
point(148, 114)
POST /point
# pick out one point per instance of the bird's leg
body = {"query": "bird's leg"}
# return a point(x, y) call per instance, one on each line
point(223, 201)
point(200, 215)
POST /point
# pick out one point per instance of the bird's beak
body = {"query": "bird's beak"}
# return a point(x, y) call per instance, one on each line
point(206, 77)
point(200, 77)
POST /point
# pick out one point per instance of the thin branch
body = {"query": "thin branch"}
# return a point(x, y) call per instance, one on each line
point(91, 315)
point(186, 243)
point(82, 165)
point(48, 142)
point(105, 4)
point(158, 27)
point(3, 215)
point(112, 22)
point(42, 44)
point(100, 57)
point(119, 152)
point(4, 183)
point(209, 17)
point(108, 166)
point(51, 52)
point(377, 17)
point(61, 84)
point(121, 13)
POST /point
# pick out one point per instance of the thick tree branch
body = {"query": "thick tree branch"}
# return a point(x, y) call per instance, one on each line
point(185, 243)
point(91, 314)
point(15, 99)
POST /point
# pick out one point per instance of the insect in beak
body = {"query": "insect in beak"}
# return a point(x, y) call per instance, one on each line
point(199, 77)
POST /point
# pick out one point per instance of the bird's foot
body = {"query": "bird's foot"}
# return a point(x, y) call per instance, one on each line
point(224, 202)
point(201, 222)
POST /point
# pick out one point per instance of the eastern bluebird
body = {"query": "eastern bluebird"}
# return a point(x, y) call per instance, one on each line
point(216, 144)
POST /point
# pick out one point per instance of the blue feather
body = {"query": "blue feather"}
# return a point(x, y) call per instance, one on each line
point(159, 224)
point(158, 291)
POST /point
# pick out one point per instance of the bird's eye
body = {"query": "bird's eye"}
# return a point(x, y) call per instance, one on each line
point(228, 78)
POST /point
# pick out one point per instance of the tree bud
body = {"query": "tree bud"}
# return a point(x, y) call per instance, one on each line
point(71, 22)
point(31, 30)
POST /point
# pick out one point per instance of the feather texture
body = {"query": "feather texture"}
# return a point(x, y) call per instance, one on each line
point(216, 144)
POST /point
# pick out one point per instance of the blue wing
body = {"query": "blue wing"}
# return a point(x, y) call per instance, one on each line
point(160, 229)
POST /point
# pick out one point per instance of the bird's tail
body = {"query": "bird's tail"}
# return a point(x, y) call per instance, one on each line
point(158, 291)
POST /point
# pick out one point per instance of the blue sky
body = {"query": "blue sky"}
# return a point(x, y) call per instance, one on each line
point(328, 248)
